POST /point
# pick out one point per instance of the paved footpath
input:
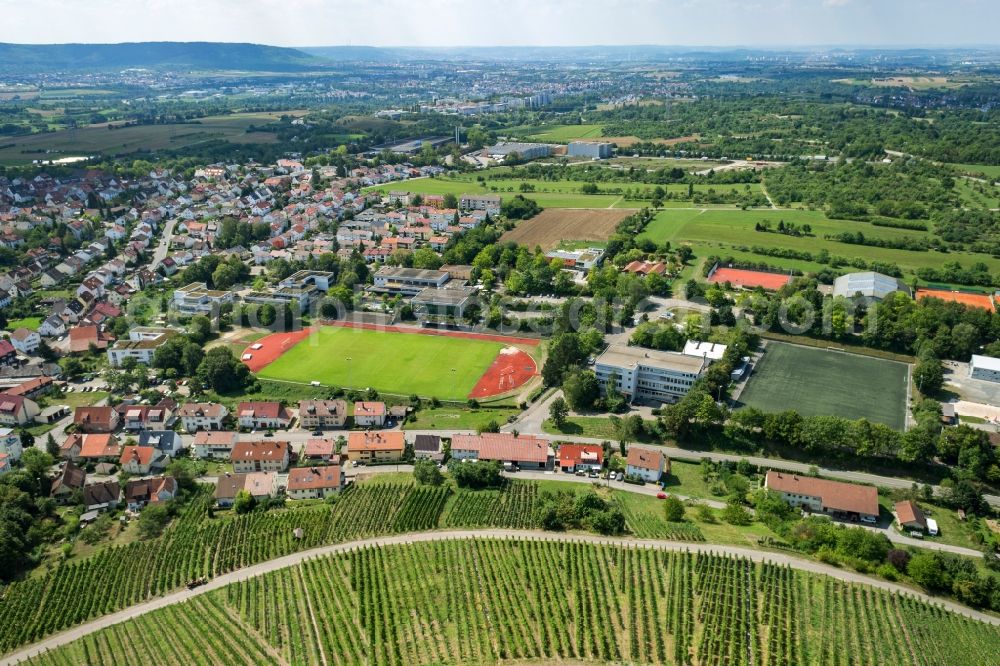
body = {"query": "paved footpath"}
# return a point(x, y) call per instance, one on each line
point(181, 596)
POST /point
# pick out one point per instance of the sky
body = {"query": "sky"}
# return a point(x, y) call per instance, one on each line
point(507, 22)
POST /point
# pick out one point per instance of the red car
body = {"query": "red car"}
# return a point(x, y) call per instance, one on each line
point(661, 496)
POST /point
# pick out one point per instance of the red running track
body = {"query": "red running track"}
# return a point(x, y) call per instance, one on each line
point(273, 346)
point(509, 370)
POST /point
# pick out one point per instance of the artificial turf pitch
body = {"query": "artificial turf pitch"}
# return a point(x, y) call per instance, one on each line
point(401, 363)
point(818, 381)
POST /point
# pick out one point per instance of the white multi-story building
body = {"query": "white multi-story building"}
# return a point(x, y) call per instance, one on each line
point(593, 149)
point(197, 298)
point(142, 343)
point(647, 374)
point(985, 367)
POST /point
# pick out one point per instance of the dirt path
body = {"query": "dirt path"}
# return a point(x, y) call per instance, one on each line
point(782, 559)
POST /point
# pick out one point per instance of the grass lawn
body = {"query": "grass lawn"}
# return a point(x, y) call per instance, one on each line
point(456, 418)
point(401, 363)
point(992, 170)
point(31, 323)
point(598, 427)
point(77, 399)
point(815, 381)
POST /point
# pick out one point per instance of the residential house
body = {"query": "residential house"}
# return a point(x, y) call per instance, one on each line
point(8, 355)
point(101, 496)
point(96, 419)
point(100, 447)
point(140, 492)
point(322, 414)
point(70, 480)
point(846, 500)
point(10, 443)
point(581, 457)
point(262, 456)
point(16, 410)
point(141, 460)
point(321, 448)
point(260, 485)
point(196, 416)
point(148, 417)
point(32, 388)
point(53, 326)
point(82, 338)
point(314, 482)
point(167, 442)
point(25, 341)
point(428, 446)
point(375, 446)
point(263, 415)
point(214, 444)
point(369, 414)
point(909, 516)
point(514, 451)
point(647, 464)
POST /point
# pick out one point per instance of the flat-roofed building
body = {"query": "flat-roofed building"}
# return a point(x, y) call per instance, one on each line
point(526, 151)
point(142, 343)
point(985, 367)
point(407, 281)
point(487, 202)
point(647, 374)
point(197, 298)
point(581, 260)
point(711, 351)
point(442, 304)
point(599, 150)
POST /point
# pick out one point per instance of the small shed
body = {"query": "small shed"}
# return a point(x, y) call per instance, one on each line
point(909, 516)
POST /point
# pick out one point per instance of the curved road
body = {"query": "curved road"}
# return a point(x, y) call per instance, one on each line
point(180, 596)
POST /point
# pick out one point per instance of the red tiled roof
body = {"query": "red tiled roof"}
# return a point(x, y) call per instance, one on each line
point(305, 478)
point(320, 446)
point(645, 458)
point(369, 409)
point(908, 512)
point(100, 446)
point(141, 455)
point(571, 455)
point(379, 440)
point(848, 497)
point(262, 410)
point(261, 451)
point(503, 446)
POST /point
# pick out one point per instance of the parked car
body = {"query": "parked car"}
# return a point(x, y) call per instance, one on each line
point(661, 496)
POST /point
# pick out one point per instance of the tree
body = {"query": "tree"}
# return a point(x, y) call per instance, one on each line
point(479, 474)
point(199, 329)
point(673, 509)
point(426, 473)
point(426, 258)
point(927, 570)
point(558, 411)
point(244, 502)
point(450, 200)
point(51, 447)
point(153, 520)
point(735, 513)
point(72, 367)
point(581, 389)
point(928, 373)
point(223, 372)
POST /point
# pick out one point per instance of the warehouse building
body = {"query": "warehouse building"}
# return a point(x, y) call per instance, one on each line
point(527, 151)
point(647, 374)
point(595, 150)
point(985, 367)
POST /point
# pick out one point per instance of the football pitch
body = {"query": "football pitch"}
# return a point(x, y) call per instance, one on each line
point(401, 363)
point(818, 381)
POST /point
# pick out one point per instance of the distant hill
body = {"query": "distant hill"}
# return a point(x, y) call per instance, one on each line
point(155, 55)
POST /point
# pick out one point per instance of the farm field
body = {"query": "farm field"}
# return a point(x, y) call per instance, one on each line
point(494, 601)
point(551, 226)
point(728, 230)
point(816, 381)
point(100, 140)
point(400, 363)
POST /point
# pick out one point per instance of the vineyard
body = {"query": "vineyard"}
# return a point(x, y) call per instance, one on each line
point(488, 601)
point(195, 546)
point(513, 506)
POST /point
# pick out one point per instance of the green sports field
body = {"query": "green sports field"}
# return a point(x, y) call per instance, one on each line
point(817, 381)
point(401, 363)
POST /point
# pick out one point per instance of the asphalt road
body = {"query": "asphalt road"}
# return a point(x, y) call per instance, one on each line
point(180, 596)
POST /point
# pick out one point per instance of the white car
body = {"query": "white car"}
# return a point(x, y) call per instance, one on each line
point(871, 520)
